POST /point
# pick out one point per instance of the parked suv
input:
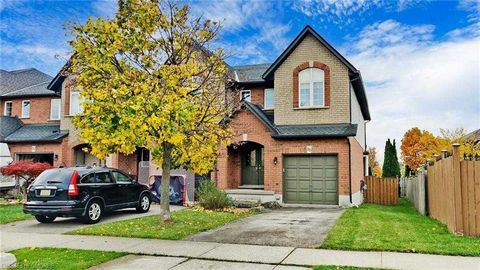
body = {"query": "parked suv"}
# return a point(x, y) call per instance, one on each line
point(84, 192)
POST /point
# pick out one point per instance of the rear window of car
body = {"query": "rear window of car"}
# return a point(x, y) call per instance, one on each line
point(54, 177)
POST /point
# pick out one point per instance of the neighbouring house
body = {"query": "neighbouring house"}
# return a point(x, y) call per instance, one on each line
point(300, 134)
point(75, 151)
point(473, 136)
point(30, 121)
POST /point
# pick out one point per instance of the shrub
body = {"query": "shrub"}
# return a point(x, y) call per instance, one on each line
point(211, 197)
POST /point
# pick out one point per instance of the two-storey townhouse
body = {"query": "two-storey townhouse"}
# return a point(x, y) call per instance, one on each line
point(30, 117)
point(300, 134)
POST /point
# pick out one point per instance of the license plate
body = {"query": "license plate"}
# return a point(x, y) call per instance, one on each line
point(45, 192)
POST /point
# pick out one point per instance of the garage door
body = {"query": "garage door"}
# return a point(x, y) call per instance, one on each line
point(311, 179)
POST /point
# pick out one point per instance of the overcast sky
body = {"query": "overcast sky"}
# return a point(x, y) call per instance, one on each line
point(420, 60)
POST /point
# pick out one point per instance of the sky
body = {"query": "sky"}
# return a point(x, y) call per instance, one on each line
point(420, 60)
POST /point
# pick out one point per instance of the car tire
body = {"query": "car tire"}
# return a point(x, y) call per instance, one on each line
point(93, 212)
point(144, 203)
point(45, 219)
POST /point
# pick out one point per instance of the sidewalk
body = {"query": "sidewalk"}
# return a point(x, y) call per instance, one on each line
point(266, 255)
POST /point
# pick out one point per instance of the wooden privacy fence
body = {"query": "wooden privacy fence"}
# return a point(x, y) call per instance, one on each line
point(454, 193)
point(382, 190)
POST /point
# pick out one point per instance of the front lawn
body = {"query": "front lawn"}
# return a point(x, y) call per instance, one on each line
point(12, 212)
point(61, 258)
point(333, 267)
point(397, 228)
point(184, 223)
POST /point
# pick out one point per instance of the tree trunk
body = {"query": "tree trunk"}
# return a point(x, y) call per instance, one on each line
point(165, 196)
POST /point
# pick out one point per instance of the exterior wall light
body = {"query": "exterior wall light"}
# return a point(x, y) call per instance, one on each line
point(275, 160)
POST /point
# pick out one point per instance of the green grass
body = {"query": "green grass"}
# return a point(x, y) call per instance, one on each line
point(333, 267)
point(397, 228)
point(12, 212)
point(184, 223)
point(61, 258)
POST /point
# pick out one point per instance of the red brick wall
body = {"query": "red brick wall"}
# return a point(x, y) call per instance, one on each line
point(39, 109)
point(358, 173)
point(258, 95)
point(127, 163)
point(228, 165)
point(40, 148)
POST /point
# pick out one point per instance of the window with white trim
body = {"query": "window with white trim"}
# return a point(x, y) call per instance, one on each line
point(25, 108)
point(8, 108)
point(269, 98)
point(55, 109)
point(246, 95)
point(311, 88)
point(75, 103)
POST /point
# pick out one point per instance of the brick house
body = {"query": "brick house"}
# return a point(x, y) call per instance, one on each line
point(30, 120)
point(300, 132)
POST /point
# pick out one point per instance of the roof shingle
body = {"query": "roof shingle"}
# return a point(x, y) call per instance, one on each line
point(36, 133)
point(24, 82)
point(301, 131)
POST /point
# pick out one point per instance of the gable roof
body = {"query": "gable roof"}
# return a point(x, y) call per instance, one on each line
point(301, 131)
point(354, 73)
point(24, 82)
point(300, 37)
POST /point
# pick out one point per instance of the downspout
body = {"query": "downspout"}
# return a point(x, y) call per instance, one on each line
point(350, 168)
point(350, 147)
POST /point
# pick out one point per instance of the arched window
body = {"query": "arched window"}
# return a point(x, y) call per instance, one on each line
point(311, 87)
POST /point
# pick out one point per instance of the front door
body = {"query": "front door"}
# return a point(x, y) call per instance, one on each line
point(252, 165)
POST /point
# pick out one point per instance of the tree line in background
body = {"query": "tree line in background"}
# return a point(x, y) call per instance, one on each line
point(417, 147)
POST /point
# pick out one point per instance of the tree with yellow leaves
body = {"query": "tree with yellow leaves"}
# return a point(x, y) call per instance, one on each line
point(149, 78)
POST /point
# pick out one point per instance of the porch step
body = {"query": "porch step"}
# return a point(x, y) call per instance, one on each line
point(251, 195)
point(249, 192)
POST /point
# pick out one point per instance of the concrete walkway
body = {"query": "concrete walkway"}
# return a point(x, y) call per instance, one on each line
point(232, 256)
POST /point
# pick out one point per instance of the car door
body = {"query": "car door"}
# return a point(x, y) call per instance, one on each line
point(127, 186)
point(107, 189)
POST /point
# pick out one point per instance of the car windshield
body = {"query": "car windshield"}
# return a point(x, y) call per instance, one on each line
point(54, 176)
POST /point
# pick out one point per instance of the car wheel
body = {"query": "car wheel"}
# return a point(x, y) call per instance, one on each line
point(45, 219)
point(143, 204)
point(93, 213)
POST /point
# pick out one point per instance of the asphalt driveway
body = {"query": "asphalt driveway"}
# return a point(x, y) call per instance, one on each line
point(293, 227)
point(63, 225)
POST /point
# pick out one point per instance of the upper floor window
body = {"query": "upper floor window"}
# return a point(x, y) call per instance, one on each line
point(311, 87)
point(55, 109)
point(246, 95)
point(269, 98)
point(25, 108)
point(7, 111)
point(75, 103)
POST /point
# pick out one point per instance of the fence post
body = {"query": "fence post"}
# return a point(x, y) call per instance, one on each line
point(457, 185)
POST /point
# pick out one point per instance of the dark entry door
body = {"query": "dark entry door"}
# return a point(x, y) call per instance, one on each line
point(252, 165)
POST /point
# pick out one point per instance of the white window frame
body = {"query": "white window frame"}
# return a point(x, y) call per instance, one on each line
point(311, 81)
point(52, 117)
point(265, 98)
point(249, 97)
point(29, 108)
point(5, 108)
point(71, 113)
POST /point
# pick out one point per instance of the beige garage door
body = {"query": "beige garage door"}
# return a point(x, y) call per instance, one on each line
point(311, 179)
